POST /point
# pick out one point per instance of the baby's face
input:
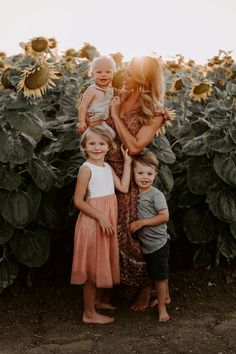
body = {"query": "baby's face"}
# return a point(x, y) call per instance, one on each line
point(103, 73)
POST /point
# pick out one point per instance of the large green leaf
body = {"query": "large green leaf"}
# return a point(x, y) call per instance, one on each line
point(165, 181)
point(225, 167)
point(161, 147)
point(34, 195)
point(186, 199)
point(227, 244)
point(196, 146)
point(9, 179)
point(6, 231)
point(31, 248)
point(200, 225)
point(27, 123)
point(41, 173)
point(222, 202)
point(16, 208)
point(233, 229)
point(199, 175)
point(15, 149)
point(223, 145)
point(47, 216)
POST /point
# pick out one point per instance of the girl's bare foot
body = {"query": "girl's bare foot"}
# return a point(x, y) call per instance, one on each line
point(163, 315)
point(97, 318)
point(104, 306)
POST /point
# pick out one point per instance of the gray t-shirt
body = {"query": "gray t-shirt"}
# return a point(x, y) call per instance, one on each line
point(152, 238)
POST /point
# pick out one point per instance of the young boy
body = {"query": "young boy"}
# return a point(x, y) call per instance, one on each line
point(151, 225)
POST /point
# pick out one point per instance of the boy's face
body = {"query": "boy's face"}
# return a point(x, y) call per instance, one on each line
point(144, 176)
point(103, 73)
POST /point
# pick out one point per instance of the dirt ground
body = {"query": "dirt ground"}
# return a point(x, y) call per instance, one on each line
point(46, 318)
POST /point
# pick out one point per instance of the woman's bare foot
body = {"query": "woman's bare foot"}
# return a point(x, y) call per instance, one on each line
point(97, 318)
point(142, 303)
point(104, 306)
point(154, 302)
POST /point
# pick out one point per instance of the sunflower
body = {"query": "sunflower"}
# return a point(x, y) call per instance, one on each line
point(37, 47)
point(4, 81)
point(177, 85)
point(228, 73)
point(201, 91)
point(2, 54)
point(52, 43)
point(34, 82)
point(71, 53)
point(173, 66)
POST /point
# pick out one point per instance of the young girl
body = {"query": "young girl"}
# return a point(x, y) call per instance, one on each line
point(95, 104)
point(96, 254)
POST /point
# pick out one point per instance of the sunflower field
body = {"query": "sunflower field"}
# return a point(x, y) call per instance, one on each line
point(40, 154)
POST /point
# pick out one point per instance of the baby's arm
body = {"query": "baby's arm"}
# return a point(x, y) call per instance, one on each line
point(161, 218)
point(122, 184)
point(79, 202)
point(87, 98)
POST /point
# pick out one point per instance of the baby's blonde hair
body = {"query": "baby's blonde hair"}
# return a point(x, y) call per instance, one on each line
point(101, 131)
point(107, 58)
point(148, 74)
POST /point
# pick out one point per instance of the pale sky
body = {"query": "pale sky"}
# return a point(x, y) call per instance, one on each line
point(197, 29)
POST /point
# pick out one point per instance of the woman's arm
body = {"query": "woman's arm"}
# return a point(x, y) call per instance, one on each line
point(146, 133)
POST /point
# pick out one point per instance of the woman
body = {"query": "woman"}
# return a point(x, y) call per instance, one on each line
point(136, 118)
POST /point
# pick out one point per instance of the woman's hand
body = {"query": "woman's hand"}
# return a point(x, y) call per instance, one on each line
point(115, 106)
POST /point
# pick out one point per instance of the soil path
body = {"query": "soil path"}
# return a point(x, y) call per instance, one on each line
point(47, 319)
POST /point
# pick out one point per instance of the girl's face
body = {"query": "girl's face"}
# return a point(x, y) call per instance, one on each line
point(103, 73)
point(96, 148)
point(129, 82)
point(144, 176)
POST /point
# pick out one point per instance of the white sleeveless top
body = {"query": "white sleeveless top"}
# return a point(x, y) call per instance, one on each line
point(101, 182)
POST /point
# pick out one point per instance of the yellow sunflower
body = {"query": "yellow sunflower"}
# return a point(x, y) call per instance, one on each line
point(2, 54)
point(37, 47)
point(4, 82)
point(201, 91)
point(173, 66)
point(70, 53)
point(177, 85)
point(228, 73)
point(34, 82)
point(52, 43)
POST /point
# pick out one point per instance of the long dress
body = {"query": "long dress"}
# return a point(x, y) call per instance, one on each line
point(96, 256)
point(132, 266)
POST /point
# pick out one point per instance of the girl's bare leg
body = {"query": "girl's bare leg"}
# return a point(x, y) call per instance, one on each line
point(100, 303)
point(90, 315)
point(161, 289)
point(142, 302)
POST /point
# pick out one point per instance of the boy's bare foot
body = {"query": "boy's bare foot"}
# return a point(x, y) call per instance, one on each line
point(97, 318)
point(154, 302)
point(163, 315)
point(104, 306)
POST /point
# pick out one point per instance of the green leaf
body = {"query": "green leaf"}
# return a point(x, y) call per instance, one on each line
point(16, 208)
point(187, 199)
point(42, 174)
point(6, 231)
point(27, 123)
point(34, 197)
point(161, 147)
point(8, 272)
point(225, 167)
point(223, 145)
point(165, 181)
point(31, 248)
point(196, 146)
point(233, 229)
point(200, 226)
point(222, 202)
point(199, 175)
point(9, 180)
point(15, 149)
point(227, 244)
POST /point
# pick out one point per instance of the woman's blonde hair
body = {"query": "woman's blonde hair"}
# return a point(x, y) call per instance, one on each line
point(103, 132)
point(148, 74)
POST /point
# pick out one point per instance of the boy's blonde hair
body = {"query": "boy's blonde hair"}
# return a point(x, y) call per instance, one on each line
point(107, 58)
point(146, 158)
point(103, 132)
point(148, 74)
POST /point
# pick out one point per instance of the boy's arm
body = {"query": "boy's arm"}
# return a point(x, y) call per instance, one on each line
point(161, 218)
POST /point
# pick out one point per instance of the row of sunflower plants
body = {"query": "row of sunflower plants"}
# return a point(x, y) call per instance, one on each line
point(203, 138)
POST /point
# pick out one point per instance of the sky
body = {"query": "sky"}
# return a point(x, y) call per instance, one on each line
point(196, 29)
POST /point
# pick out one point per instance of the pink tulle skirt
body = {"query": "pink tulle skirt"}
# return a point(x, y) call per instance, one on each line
point(96, 256)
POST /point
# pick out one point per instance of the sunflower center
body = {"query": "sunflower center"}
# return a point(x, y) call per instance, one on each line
point(39, 44)
point(179, 84)
point(199, 89)
point(38, 78)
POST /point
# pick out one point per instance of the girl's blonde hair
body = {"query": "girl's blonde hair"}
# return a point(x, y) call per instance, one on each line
point(148, 74)
point(101, 131)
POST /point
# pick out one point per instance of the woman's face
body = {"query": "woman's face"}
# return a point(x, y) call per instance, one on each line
point(129, 82)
